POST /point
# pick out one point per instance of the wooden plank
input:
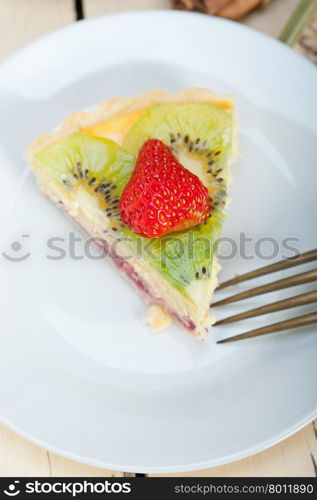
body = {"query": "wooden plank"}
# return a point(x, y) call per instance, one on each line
point(19, 457)
point(61, 466)
point(24, 20)
point(294, 457)
point(99, 7)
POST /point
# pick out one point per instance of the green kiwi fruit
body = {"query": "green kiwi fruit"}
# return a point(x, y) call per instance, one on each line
point(97, 164)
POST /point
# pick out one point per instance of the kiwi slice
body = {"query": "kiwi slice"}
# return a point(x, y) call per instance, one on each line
point(96, 164)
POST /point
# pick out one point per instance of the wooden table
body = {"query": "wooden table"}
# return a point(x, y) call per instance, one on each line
point(20, 22)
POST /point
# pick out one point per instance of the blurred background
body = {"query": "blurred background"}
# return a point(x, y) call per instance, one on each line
point(23, 20)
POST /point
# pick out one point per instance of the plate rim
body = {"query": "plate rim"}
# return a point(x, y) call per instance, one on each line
point(293, 429)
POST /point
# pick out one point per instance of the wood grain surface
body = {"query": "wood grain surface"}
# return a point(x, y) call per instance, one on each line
point(23, 20)
point(20, 22)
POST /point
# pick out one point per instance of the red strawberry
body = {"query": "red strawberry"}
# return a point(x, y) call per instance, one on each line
point(162, 196)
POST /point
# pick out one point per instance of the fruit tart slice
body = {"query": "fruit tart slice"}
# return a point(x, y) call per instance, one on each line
point(148, 177)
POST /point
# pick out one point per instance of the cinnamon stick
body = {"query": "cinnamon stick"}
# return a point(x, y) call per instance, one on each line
point(239, 8)
point(214, 6)
point(231, 9)
point(208, 6)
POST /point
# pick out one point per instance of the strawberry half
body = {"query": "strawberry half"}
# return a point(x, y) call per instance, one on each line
point(162, 196)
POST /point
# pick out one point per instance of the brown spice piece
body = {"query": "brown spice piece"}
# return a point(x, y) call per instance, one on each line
point(183, 4)
point(239, 8)
point(208, 6)
point(231, 9)
point(214, 6)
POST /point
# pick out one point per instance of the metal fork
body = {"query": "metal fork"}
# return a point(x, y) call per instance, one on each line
point(298, 300)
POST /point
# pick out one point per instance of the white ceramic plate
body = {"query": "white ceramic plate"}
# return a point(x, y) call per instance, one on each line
point(81, 375)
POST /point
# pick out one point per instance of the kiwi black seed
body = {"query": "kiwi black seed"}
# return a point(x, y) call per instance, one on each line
point(104, 186)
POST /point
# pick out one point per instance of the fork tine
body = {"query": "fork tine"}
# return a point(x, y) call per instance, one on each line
point(272, 268)
point(298, 300)
point(306, 319)
point(298, 279)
